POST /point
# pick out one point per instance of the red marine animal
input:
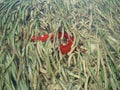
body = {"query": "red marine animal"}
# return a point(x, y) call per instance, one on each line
point(64, 49)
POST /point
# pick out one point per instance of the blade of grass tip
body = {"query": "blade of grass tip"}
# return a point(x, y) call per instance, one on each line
point(7, 81)
point(86, 83)
point(113, 84)
point(12, 32)
point(58, 4)
point(39, 52)
point(10, 61)
point(112, 69)
point(5, 7)
point(10, 24)
point(79, 59)
point(105, 74)
point(91, 19)
point(20, 69)
point(10, 8)
point(55, 65)
point(27, 36)
point(74, 59)
point(69, 59)
point(48, 64)
point(66, 27)
point(31, 27)
point(101, 14)
point(98, 58)
point(84, 67)
point(38, 56)
point(3, 35)
point(30, 74)
point(14, 71)
point(64, 86)
point(69, 86)
point(22, 11)
point(116, 81)
point(111, 58)
point(8, 20)
point(1, 84)
point(22, 85)
point(40, 48)
point(8, 87)
point(64, 74)
point(35, 82)
point(74, 44)
point(92, 75)
point(12, 85)
point(17, 52)
point(72, 74)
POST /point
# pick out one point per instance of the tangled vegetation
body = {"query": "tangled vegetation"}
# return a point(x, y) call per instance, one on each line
point(26, 65)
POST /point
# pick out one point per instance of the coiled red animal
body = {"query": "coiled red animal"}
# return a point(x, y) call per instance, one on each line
point(64, 49)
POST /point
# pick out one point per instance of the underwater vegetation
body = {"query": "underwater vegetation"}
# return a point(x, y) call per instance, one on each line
point(59, 45)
